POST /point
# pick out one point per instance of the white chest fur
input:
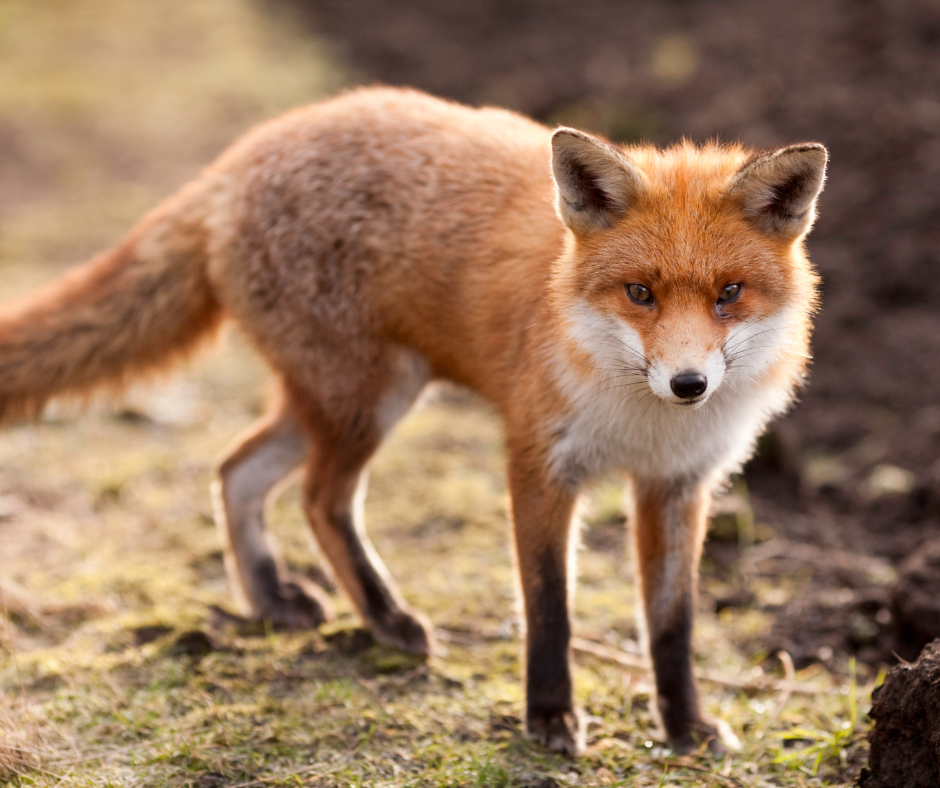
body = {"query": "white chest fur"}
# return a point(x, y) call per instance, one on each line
point(617, 422)
point(606, 432)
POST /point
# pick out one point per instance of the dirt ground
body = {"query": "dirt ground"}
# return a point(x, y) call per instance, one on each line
point(856, 466)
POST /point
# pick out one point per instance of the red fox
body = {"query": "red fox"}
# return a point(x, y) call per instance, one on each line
point(626, 309)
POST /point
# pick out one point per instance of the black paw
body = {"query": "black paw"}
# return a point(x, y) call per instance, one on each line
point(408, 631)
point(557, 731)
point(296, 604)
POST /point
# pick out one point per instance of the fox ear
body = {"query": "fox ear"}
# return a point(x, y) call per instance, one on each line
point(778, 190)
point(595, 183)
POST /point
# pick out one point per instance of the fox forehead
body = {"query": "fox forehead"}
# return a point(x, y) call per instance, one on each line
point(689, 167)
point(687, 237)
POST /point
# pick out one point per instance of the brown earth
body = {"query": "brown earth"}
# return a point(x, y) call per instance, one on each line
point(862, 77)
point(905, 742)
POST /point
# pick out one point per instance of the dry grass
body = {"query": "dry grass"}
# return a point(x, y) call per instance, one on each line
point(18, 756)
point(21, 744)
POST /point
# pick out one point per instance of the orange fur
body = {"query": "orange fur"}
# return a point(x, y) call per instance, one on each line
point(128, 313)
point(375, 242)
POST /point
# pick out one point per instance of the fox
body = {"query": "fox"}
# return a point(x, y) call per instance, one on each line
point(628, 310)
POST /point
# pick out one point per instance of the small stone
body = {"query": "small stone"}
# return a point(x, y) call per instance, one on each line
point(890, 480)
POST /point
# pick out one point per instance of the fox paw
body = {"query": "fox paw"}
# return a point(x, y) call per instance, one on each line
point(557, 731)
point(296, 604)
point(407, 631)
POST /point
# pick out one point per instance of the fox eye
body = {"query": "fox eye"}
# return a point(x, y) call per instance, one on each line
point(640, 295)
point(729, 293)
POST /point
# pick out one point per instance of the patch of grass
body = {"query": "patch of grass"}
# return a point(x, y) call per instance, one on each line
point(815, 747)
point(18, 755)
point(21, 744)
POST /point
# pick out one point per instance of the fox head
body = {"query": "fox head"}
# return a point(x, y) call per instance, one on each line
point(684, 269)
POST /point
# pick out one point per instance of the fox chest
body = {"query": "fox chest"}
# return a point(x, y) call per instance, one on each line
point(658, 440)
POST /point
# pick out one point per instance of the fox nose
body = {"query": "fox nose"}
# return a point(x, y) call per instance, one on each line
point(688, 385)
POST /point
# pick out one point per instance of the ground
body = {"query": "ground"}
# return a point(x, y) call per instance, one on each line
point(120, 660)
point(120, 666)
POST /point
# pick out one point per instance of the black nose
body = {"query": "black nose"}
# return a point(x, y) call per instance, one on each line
point(688, 385)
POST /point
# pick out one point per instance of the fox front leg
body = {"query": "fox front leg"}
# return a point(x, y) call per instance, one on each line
point(669, 530)
point(542, 513)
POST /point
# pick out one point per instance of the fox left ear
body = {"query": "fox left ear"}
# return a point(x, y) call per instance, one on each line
point(778, 190)
point(596, 184)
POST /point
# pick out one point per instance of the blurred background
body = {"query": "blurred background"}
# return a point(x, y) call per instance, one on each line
point(108, 106)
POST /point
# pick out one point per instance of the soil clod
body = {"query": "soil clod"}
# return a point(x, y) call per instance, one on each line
point(905, 741)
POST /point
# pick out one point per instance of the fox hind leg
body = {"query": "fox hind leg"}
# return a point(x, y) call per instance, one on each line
point(262, 459)
point(332, 502)
point(334, 491)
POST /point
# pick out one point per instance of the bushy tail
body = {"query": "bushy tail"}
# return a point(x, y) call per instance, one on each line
point(126, 313)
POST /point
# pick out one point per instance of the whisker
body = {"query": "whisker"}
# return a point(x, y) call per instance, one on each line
point(616, 378)
point(618, 364)
point(728, 351)
point(623, 386)
point(745, 353)
point(625, 346)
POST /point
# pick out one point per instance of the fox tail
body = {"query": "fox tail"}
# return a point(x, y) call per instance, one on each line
point(127, 313)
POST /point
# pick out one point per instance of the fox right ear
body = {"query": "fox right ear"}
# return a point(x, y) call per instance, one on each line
point(778, 190)
point(595, 183)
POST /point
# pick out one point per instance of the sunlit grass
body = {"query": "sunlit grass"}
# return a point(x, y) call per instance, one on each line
point(828, 743)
